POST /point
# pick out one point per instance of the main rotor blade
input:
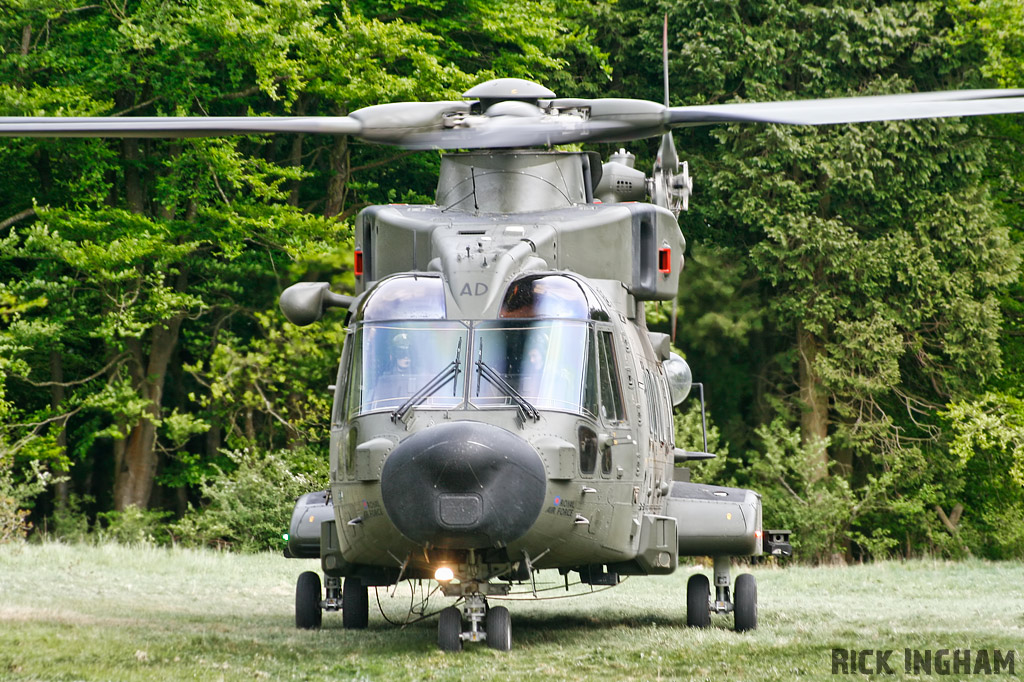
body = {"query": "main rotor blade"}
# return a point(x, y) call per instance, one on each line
point(455, 125)
point(855, 109)
point(173, 126)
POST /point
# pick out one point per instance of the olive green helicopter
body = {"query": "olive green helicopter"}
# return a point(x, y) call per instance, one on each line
point(501, 407)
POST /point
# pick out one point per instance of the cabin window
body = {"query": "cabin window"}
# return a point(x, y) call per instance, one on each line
point(588, 451)
point(349, 459)
point(653, 412)
point(667, 425)
point(611, 394)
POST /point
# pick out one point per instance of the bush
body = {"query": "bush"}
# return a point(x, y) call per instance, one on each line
point(133, 526)
point(70, 522)
point(16, 498)
point(250, 507)
point(690, 436)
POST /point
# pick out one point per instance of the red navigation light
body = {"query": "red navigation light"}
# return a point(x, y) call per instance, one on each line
point(665, 260)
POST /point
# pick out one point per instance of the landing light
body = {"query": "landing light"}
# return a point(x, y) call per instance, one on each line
point(443, 574)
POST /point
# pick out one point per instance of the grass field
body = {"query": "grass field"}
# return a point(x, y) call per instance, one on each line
point(117, 613)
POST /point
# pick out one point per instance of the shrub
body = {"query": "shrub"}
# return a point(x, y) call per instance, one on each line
point(16, 498)
point(250, 507)
point(69, 521)
point(133, 526)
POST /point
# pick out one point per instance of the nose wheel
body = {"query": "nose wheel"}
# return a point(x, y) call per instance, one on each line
point(476, 622)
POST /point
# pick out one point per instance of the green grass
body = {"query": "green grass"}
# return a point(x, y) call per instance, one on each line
point(117, 613)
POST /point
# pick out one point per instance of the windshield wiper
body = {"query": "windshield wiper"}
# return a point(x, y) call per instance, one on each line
point(498, 381)
point(449, 373)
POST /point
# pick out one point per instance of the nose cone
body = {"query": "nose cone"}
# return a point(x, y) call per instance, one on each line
point(463, 485)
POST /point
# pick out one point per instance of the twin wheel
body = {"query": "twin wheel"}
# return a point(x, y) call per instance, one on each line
point(353, 602)
point(497, 628)
point(699, 604)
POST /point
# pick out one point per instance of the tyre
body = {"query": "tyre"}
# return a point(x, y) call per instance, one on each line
point(745, 603)
point(499, 628)
point(308, 615)
point(449, 630)
point(355, 604)
point(698, 595)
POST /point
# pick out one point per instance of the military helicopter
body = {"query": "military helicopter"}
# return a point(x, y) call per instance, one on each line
point(501, 407)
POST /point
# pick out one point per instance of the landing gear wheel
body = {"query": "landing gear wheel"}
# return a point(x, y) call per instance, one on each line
point(698, 596)
point(745, 604)
point(355, 605)
point(449, 630)
point(308, 615)
point(499, 628)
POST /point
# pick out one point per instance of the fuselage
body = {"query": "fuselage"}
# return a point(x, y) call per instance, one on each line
point(499, 398)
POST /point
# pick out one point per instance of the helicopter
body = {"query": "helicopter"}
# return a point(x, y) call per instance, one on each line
point(501, 407)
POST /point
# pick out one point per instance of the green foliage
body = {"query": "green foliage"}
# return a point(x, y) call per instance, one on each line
point(151, 256)
point(250, 506)
point(133, 526)
point(689, 435)
point(70, 521)
point(844, 280)
point(18, 490)
point(988, 465)
point(870, 266)
point(274, 389)
point(996, 29)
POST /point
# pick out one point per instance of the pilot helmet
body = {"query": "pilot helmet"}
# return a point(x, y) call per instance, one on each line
point(400, 344)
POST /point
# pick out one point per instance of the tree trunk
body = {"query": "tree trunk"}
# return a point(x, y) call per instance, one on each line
point(336, 186)
point(134, 194)
point(137, 465)
point(813, 399)
point(295, 153)
point(63, 488)
point(133, 480)
point(167, 212)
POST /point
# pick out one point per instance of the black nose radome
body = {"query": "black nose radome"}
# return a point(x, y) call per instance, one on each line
point(463, 485)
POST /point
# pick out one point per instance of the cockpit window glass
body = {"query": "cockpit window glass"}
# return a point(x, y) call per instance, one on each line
point(590, 394)
point(611, 395)
point(405, 298)
point(545, 296)
point(544, 361)
point(393, 361)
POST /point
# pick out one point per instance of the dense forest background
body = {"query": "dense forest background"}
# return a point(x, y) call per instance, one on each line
point(853, 298)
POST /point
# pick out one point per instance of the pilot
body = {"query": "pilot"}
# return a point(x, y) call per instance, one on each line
point(397, 381)
point(531, 369)
point(400, 355)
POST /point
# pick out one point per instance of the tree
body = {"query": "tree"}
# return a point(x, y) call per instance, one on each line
point(157, 255)
point(869, 258)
